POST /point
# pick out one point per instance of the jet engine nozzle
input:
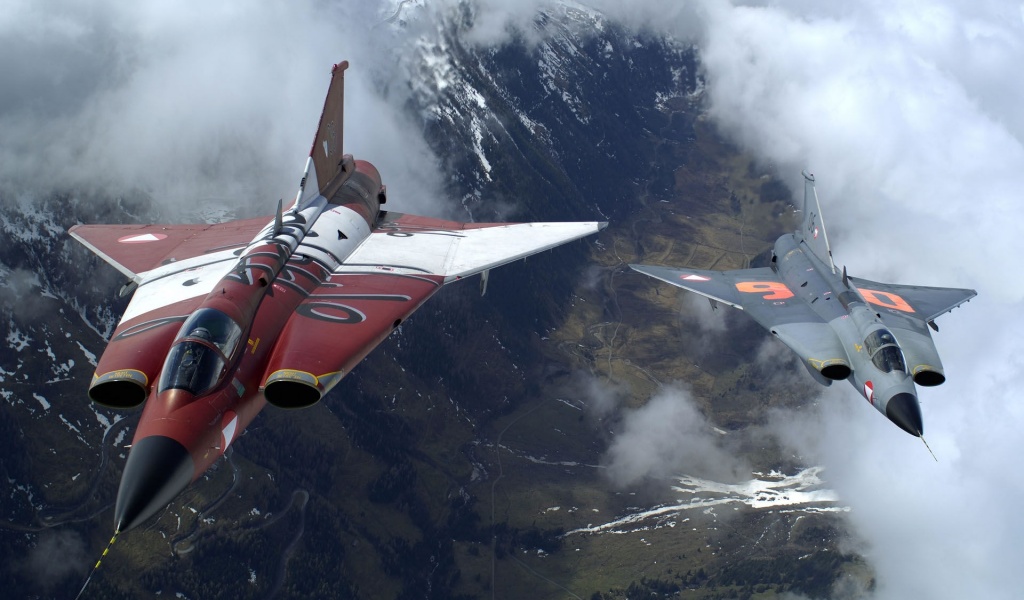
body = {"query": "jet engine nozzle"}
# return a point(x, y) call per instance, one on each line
point(288, 388)
point(836, 370)
point(903, 410)
point(124, 388)
point(157, 470)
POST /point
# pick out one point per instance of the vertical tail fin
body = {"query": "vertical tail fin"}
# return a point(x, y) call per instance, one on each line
point(328, 166)
point(812, 230)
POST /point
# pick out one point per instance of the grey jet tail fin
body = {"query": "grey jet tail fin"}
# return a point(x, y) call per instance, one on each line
point(812, 229)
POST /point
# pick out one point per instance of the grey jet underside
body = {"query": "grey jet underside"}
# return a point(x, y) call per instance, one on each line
point(876, 335)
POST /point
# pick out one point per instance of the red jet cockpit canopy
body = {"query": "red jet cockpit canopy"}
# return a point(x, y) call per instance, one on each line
point(202, 349)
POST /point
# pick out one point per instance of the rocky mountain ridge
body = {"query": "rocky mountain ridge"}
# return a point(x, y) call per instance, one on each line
point(466, 456)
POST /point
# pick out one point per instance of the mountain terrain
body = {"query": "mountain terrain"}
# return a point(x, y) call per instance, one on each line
point(483, 450)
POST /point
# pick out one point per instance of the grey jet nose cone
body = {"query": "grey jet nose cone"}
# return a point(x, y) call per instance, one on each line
point(158, 468)
point(904, 411)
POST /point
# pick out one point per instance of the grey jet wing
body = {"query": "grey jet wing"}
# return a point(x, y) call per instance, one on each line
point(913, 301)
point(760, 292)
point(907, 309)
point(763, 295)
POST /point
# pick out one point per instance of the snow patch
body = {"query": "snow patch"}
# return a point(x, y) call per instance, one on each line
point(801, 492)
point(88, 355)
point(41, 400)
point(17, 339)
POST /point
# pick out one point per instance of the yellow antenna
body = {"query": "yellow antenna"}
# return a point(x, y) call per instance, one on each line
point(97, 565)
point(929, 448)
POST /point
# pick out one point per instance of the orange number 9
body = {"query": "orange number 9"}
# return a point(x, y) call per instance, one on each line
point(772, 290)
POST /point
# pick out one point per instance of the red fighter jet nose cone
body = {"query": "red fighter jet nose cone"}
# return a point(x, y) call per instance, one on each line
point(903, 410)
point(158, 468)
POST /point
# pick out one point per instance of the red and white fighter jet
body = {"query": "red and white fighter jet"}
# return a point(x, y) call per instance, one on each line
point(228, 317)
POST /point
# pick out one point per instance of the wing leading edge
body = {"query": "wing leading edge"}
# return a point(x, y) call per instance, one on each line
point(760, 292)
point(135, 249)
point(769, 301)
point(452, 250)
point(716, 285)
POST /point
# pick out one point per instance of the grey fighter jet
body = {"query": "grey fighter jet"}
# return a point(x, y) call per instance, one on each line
point(873, 334)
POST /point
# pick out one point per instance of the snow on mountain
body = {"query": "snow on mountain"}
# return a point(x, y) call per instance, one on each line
point(546, 126)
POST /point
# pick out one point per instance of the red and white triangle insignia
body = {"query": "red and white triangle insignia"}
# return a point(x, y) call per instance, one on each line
point(142, 238)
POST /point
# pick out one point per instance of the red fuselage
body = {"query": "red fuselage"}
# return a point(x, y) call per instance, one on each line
point(183, 430)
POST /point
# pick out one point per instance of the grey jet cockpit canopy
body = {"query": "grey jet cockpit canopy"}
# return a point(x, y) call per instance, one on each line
point(884, 351)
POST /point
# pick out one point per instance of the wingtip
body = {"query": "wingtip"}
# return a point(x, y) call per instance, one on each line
point(601, 225)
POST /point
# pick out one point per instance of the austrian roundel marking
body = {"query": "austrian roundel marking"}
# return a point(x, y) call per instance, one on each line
point(331, 312)
point(869, 392)
point(142, 238)
point(228, 426)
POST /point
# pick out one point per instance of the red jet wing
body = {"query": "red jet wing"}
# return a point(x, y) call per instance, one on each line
point(335, 327)
point(175, 266)
point(134, 249)
point(402, 263)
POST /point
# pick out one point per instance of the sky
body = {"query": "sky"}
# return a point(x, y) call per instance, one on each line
point(908, 114)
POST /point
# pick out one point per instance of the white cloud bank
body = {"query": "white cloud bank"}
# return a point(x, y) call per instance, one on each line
point(908, 113)
point(194, 102)
point(910, 116)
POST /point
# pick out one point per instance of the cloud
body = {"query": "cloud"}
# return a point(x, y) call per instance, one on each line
point(705, 327)
point(194, 104)
point(667, 436)
point(56, 556)
point(16, 286)
point(601, 396)
point(877, 110)
point(705, 317)
point(778, 367)
point(908, 113)
point(906, 116)
point(909, 116)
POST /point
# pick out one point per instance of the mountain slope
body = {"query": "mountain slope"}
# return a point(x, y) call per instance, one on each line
point(469, 455)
